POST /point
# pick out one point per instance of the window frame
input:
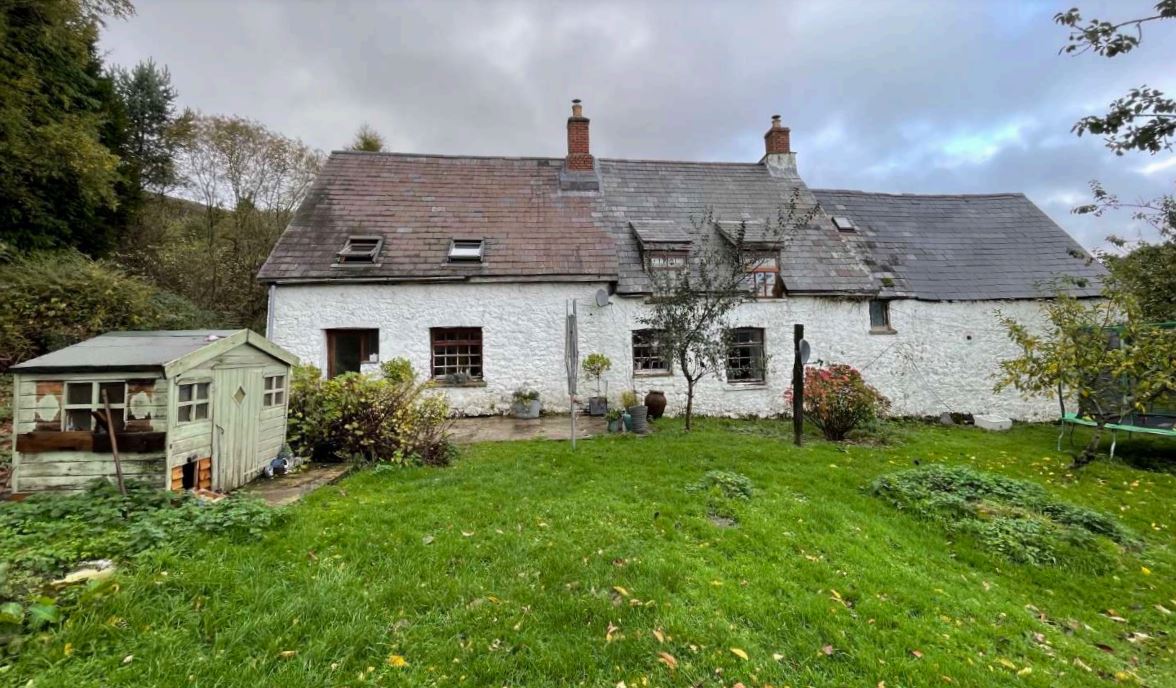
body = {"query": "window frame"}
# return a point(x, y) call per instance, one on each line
point(761, 344)
point(273, 395)
point(95, 404)
point(765, 264)
point(351, 255)
point(365, 352)
point(448, 369)
point(634, 335)
point(886, 327)
point(454, 254)
point(194, 402)
point(671, 260)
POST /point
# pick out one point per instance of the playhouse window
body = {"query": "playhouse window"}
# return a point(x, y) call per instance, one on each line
point(83, 398)
point(192, 402)
point(275, 390)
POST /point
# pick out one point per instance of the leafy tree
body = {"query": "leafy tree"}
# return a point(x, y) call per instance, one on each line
point(148, 98)
point(367, 139)
point(60, 126)
point(689, 312)
point(1148, 271)
point(1103, 352)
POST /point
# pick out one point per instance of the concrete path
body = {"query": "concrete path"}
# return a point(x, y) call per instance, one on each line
point(286, 489)
point(505, 428)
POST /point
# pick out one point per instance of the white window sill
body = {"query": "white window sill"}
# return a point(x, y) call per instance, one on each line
point(653, 373)
point(883, 330)
point(745, 386)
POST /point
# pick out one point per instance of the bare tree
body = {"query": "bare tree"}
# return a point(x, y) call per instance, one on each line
point(692, 301)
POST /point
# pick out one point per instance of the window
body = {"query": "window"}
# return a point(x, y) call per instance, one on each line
point(764, 273)
point(843, 223)
point(745, 355)
point(457, 351)
point(465, 251)
point(347, 349)
point(647, 357)
point(275, 390)
point(83, 398)
point(360, 250)
point(667, 260)
point(880, 316)
point(192, 401)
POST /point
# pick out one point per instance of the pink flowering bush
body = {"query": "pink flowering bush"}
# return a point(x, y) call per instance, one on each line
point(837, 400)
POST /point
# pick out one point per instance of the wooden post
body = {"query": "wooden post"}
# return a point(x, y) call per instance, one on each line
point(797, 386)
point(122, 488)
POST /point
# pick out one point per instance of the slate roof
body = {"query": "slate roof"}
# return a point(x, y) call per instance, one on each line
point(961, 247)
point(636, 191)
point(418, 203)
point(997, 246)
point(123, 351)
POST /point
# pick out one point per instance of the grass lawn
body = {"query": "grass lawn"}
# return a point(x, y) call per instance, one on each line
point(526, 564)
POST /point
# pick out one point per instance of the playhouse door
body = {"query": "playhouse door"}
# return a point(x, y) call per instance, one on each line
point(235, 417)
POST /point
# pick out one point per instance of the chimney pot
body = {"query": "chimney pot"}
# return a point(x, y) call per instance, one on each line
point(777, 139)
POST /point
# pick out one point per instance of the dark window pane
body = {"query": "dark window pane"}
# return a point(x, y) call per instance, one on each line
point(184, 413)
point(646, 357)
point(200, 411)
point(349, 348)
point(879, 315)
point(185, 393)
point(745, 355)
point(115, 392)
point(202, 390)
point(79, 393)
point(457, 350)
point(78, 419)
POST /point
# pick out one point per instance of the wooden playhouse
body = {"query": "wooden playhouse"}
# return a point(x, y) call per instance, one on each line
point(191, 409)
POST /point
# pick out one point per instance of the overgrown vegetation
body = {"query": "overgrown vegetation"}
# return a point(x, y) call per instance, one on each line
point(54, 299)
point(392, 417)
point(1015, 519)
point(46, 535)
point(837, 400)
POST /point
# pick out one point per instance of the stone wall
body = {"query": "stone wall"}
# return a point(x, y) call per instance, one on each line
point(943, 356)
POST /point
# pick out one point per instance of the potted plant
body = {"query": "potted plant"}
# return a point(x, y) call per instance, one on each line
point(595, 366)
point(526, 403)
point(635, 412)
point(615, 420)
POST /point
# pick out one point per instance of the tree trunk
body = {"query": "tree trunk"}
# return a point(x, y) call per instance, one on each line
point(1090, 451)
point(689, 402)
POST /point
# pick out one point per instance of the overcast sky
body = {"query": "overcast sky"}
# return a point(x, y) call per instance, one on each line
point(920, 97)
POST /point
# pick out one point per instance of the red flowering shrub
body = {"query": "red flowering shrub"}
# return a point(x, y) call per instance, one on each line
point(837, 400)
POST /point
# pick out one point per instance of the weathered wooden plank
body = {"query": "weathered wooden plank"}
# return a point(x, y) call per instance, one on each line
point(132, 442)
point(92, 469)
point(81, 457)
point(76, 483)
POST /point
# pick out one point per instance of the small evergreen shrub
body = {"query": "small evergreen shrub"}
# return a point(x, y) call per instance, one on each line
point(367, 418)
point(1015, 519)
point(837, 400)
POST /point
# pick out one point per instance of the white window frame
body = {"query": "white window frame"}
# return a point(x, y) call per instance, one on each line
point(275, 390)
point(194, 402)
point(95, 403)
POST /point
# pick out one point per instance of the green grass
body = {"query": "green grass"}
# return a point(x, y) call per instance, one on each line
point(510, 568)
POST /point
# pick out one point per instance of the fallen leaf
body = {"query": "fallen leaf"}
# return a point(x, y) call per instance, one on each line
point(1105, 648)
point(777, 656)
point(622, 591)
point(397, 661)
point(427, 540)
point(1007, 663)
point(286, 654)
point(68, 649)
point(608, 633)
point(1145, 570)
point(128, 658)
point(827, 650)
point(467, 534)
point(1025, 671)
point(1137, 637)
point(1162, 609)
point(667, 659)
point(661, 637)
point(739, 653)
point(916, 654)
point(1082, 665)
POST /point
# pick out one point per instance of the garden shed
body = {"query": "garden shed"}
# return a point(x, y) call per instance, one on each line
point(190, 409)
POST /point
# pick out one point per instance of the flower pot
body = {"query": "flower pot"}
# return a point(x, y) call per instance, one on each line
point(526, 410)
point(627, 421)
point(614, 425)
point(655, 401)
point(639, 415)
point(597, 406)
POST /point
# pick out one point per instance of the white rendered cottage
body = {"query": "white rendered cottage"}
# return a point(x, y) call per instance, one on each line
point(465, 265)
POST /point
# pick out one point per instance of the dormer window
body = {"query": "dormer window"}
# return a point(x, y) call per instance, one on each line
point(843, 223)
point(360, 250)
point(667, 260)
point(466, 251)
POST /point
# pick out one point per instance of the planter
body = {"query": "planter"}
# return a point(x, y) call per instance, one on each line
point(526, 410)
point(639, 415)
point(597, 406)
point(615, 425)
point(627, 422)
point(655, 401)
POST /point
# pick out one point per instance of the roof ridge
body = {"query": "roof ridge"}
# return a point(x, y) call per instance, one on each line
point(446, 156)
point(1003, 194)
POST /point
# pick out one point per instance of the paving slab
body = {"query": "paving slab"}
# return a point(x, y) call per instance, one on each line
point(289, 488)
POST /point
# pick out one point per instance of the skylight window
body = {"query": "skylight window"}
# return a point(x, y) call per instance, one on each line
point(465, 251)
point(843, 223)
point(360, 250)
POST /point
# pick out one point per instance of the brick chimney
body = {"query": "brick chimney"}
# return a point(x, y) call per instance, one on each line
point(579, 159)
point(778, 155)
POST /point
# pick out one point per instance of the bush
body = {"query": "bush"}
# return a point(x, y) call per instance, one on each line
point(364, 418)
point(54, 299)
point(1015, 519)
point(729, 484)
point(837, 400)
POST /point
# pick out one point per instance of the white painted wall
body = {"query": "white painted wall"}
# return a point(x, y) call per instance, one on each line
point(943, 357)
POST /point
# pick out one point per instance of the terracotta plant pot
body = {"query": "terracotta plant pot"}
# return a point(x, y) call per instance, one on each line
point(655, 400)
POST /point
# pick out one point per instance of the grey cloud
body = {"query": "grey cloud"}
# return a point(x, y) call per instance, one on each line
point(879, 95)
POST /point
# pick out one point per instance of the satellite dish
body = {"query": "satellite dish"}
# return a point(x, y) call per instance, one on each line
point(601, 298)
point(805, 351)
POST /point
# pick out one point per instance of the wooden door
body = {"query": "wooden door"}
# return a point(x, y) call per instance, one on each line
point(235, 419)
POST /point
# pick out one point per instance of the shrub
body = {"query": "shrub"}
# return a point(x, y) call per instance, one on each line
point(595, 365)
point(54, 299)
point(366, 418)
point(837, 400)
point(729, 484)
point(628, 398)
point(1015, 519)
